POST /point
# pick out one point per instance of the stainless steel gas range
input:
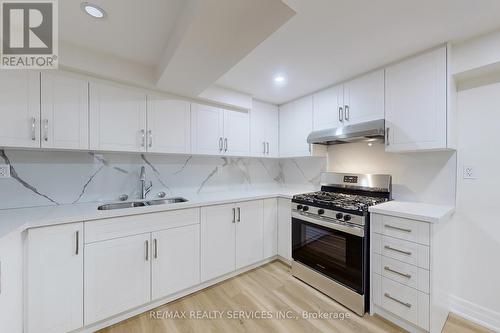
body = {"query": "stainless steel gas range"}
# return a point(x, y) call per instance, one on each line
point(330, 235)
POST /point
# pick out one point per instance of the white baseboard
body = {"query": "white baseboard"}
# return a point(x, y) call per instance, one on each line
point(475, 313)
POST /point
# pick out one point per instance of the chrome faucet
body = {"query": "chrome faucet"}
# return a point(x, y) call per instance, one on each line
point(144, 188)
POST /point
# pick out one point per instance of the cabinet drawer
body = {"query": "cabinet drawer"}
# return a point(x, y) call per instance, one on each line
point(116, 227)
point(406, 274)
point(410, 230)
point(405, 302)
point(408, 252)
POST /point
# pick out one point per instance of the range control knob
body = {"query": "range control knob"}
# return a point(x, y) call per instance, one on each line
point(339, 216)
point(299, 207)
point(321, 211)
point(305, 208)
point(347, 218)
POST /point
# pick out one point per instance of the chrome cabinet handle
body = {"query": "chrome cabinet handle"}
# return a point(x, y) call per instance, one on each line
point(155, 243)
point(387, 142)
point(408, 305)
point(150, 132)
point(143, 138)
point(346, 112)
point(147, 250)
point(234, 215)
point(46, 130)
point(264, 144)
point(387, 268)
point(220, 144)
point(397, 228)
point(225, 144)
point(77, 243)
point(239, 214)
point(341, 114)
point(33, 128)
point(397, 250)
point(267, 144)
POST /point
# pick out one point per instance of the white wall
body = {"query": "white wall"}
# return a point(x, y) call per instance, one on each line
point(475, 228)
point(423, 177)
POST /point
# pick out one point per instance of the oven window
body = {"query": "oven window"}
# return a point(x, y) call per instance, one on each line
point(331, 252)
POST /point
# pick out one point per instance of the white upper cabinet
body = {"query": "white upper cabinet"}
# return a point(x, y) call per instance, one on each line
point(416, 109)
point(236, 133)
point(117, 118)
point(216, 131)
point(65, 112)
point(264, 129)
point(364, 98)
point(20, 108)
point(54, 279)
point(207, 129)
point(169, 125)
point(296, 120)
point(328, 108)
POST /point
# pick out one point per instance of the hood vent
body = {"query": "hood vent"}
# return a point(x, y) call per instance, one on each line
point(367, 131)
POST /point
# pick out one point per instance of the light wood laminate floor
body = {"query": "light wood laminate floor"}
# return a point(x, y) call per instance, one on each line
point(268, 288)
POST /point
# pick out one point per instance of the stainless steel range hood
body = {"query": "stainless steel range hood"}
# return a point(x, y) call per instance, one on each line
point(367, 131)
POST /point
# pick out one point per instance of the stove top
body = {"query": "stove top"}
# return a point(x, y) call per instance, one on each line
point(339, 201)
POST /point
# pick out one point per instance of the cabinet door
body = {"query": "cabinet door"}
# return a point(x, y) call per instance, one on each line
point(415, 98)
point(176, 260)
point(249, 233)
point(207, 125)
point(169, 125)
point(54, 277)
point(65, 112)
point(364, 98)
point(328, 108)
point(284, 229)
point(264, 129)
point(236, 133)
point(117, 118)
point(295, 127)
point(217, 241)
point(20, 109)
point(270, 228)
point(117, 276)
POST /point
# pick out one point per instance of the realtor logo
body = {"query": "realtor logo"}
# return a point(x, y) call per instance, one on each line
point(29, 34)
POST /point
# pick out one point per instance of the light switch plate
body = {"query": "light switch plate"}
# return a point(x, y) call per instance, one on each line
point(470, 172)
point(4, 171)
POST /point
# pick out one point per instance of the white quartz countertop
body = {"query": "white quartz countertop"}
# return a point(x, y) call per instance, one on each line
point(414, 210)
point(20, 219)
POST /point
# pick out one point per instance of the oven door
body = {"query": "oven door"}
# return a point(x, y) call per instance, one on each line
point(331, 248)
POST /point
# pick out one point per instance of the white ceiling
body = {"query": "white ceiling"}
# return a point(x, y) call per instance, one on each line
point(332, 40)
point(133, 30)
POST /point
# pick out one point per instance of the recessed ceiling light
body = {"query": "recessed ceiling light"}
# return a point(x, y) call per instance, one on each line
point(279, 79)
point(93, 10)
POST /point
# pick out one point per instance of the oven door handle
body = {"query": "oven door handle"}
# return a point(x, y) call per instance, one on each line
point(330, 224)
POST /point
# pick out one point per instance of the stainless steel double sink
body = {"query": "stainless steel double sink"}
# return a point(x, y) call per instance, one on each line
point(133, 204)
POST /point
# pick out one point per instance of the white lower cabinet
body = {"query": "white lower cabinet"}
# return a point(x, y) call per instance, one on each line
point(175, 260)
point(402, 274)
point(117, 276)
point(270, 227)
point(54, 279)
point(231, 237)
point(284, 229)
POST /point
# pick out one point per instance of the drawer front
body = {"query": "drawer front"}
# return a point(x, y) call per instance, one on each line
point(406, 274)
point(410, 230)
point(405, 302)
point(100, 230)
point(408, 252)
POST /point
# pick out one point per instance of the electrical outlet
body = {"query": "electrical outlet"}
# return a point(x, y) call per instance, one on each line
point(469, 172)
point(4, 171)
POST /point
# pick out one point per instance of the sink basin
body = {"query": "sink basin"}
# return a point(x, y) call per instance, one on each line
point(133, 204)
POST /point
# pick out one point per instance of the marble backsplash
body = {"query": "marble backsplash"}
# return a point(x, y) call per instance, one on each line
point(40, 178)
